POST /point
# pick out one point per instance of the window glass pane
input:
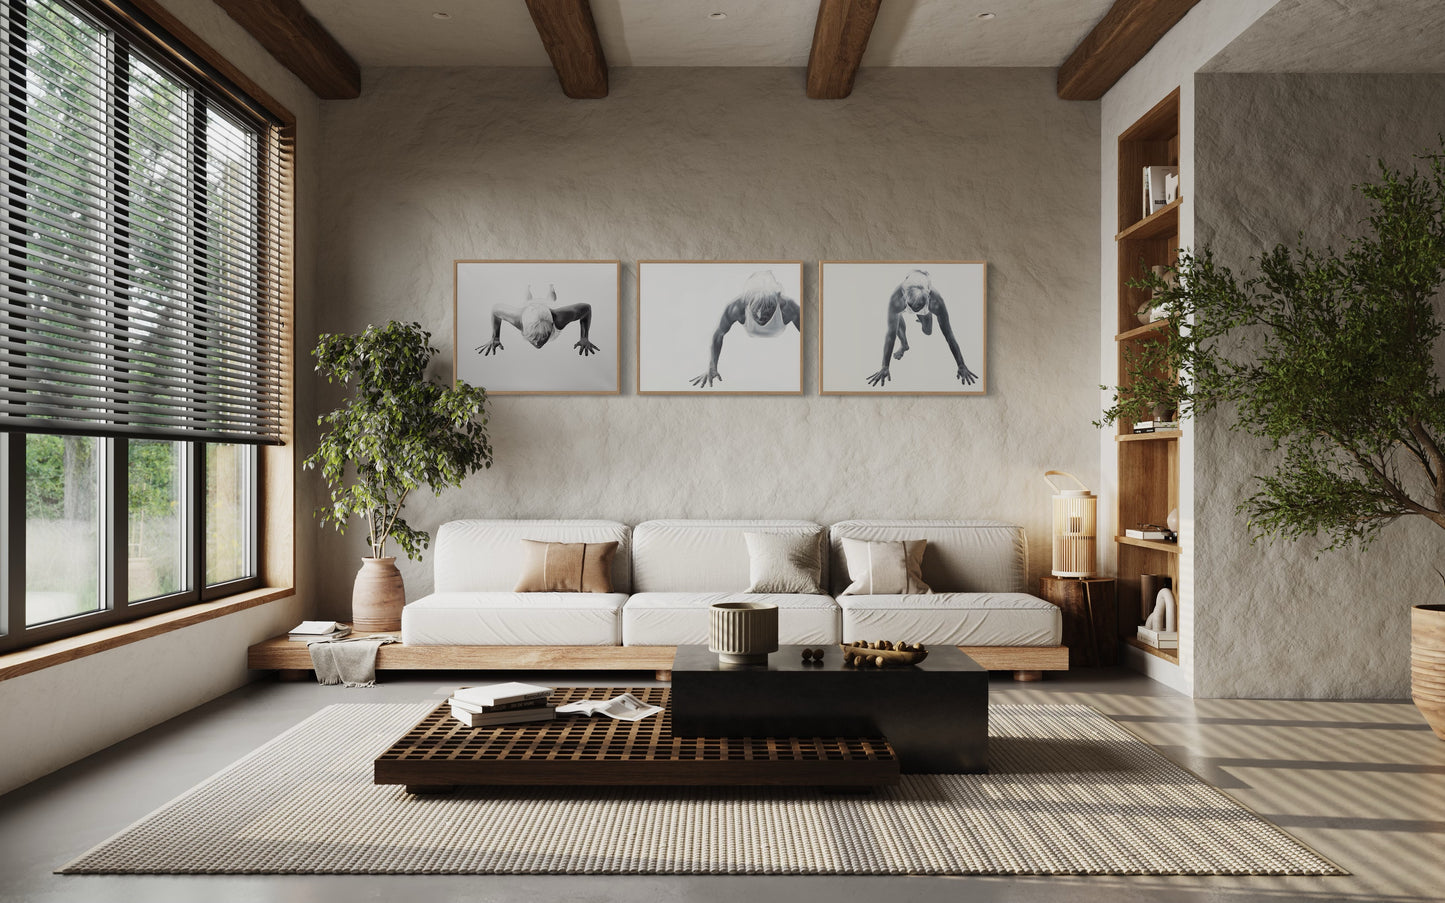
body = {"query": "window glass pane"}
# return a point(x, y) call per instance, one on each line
point(230, 512)
point(63, 511)
point(156, 536)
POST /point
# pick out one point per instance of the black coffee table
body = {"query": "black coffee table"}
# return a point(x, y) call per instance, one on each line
point(934, 714)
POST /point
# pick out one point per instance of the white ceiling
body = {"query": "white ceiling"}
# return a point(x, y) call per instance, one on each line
point(1023, 33)
point(1340, 36)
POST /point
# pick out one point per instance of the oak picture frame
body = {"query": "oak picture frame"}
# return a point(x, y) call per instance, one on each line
point(857, 319)
point(492, 302)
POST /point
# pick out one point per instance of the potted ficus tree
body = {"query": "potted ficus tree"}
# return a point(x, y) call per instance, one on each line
point(398, 432)
point(1331, 358)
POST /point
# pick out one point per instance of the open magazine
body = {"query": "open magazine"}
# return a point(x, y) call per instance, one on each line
point(624, 708)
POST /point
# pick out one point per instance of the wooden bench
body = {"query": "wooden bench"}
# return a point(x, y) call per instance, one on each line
point(440, 753)
point(292, 660)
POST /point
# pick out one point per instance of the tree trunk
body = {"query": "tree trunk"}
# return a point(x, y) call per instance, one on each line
point(79, 499)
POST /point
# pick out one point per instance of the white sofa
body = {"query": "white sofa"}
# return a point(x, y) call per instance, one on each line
point(475, 563)
point(667, 572)
point(978, 572)
point(681, 567)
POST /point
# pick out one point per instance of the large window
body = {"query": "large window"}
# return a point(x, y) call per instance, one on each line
point(141, 340)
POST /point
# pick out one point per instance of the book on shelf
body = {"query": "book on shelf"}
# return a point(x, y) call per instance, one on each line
point(1156, 192)
point(1160, 535)
point(504, 707)
point(500, 694)
point(318, 631)
point(1143, 426)
point(488, 719)
point(1153, 426)
point(1159, 639)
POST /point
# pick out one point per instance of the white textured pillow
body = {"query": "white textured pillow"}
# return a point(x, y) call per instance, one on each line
point(785, 562)
point(885, 568)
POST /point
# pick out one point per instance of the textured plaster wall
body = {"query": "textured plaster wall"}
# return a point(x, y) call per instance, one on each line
point(53, 717)
point(1204, 32)
point(431, 165)
point(1276, 155)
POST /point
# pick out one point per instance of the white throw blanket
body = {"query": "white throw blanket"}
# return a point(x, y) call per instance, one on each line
point(350, 661)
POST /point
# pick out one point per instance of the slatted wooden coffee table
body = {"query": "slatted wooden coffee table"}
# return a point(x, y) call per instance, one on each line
point(440, 753)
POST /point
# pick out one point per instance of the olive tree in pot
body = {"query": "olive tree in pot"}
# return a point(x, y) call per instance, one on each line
point(1331, 358)
point(399, 431)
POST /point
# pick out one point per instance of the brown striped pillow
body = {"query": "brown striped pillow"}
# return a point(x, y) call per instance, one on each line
point(566, 567)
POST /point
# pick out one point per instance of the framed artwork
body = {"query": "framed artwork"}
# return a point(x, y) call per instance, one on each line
point(538, 327)
point(719, 327)
point(902, 327)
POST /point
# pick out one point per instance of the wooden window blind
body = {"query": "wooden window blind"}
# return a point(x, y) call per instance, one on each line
point(146, 238)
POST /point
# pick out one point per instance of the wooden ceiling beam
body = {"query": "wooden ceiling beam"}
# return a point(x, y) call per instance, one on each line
point(839, 39)
point(569, 34)
point(1128, 31)
point(300, 43)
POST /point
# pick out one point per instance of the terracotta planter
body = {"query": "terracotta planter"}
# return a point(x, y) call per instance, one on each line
point(1427, 664)
point(377, 597)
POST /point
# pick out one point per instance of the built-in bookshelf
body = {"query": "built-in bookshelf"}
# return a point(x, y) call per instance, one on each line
point(1148, 463)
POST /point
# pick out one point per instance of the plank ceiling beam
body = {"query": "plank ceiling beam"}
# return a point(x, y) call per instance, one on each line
point(300, 43)
point(839, 39)
point(570, 35)
point(1128, 30)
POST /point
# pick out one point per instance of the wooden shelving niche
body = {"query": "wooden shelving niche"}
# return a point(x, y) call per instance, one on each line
point(1148, 463)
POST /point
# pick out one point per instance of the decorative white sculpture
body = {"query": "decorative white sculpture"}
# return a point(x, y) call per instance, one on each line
point(1165, 616)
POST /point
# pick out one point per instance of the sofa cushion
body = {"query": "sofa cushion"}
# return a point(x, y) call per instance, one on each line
point(566, 567)
point(962, 556)
point(513, 619)
point(485, 555)
point(958, 619)
point(675, 619)
point(700, 556)
point(885, 567)
point(785, 562)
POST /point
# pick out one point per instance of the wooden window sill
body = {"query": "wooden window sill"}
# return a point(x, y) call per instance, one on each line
point(37, 658)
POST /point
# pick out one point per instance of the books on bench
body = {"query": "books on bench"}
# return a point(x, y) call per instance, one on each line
point(466, 715)
point(508, 703)
point(501, 694)
point(318, 631)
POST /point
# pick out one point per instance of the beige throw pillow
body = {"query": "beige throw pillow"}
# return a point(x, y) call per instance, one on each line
point(885, 568)
point(566, 567)
point(785, 562)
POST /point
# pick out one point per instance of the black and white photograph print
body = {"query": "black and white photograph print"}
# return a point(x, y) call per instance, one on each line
point(902, 328)
point(719, 327)
point(539, 326)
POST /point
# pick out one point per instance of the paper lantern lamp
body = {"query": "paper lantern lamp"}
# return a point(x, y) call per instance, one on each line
point(1075, 541)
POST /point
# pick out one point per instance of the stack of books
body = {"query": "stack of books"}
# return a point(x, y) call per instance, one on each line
point(1149, 532)
point(1154, 426)
point(1159, 639)
point(509, 703)
point(318, 631)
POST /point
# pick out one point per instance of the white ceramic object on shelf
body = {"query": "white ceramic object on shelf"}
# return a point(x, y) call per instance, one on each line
point(1165, 615)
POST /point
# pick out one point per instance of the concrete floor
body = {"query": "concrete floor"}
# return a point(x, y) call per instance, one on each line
point(1361, 782)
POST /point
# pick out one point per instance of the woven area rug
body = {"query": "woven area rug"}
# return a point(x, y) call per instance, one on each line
point(1070, 793)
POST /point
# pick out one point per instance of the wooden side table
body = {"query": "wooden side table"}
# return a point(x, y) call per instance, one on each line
point(1088, 605)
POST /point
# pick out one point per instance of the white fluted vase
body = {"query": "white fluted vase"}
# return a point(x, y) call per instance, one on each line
point(743, 633)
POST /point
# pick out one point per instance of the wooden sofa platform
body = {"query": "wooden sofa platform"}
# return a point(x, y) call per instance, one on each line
point(292, 660)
